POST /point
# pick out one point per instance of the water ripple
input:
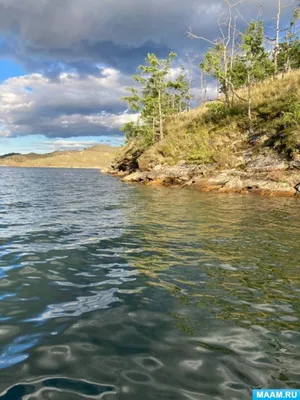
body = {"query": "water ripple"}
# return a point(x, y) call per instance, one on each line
point(113, 291)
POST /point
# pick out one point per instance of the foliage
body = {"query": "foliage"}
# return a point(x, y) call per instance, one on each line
point(156, 98)
point(289, 49)
point(254, 58)
point(213, 63)
point(216, 133)
point(253, 100)
point(289, 55)
point(292, 117)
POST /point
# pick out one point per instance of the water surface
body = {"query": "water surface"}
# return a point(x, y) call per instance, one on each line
point(119, 291)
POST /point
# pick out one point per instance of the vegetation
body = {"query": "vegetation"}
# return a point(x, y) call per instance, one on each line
point(9, 155)
point(260, 92)
point(158, 98)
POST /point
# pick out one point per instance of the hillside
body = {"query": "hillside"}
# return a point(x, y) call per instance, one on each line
point(99, 156)
point(210, 147)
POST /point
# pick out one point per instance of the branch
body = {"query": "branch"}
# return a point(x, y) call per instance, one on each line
point(220, 29)
point(231, 85)
point(191, 35)
point(242, 18)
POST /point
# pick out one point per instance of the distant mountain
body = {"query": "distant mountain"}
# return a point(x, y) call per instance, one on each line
point(99, 156)
point(9, 155)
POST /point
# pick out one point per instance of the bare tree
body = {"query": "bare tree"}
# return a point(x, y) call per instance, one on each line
point(275, 41)
point(227, 28)
point(191, 75)
point(276, 48)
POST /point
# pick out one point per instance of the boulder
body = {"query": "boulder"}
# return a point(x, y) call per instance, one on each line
point(262, 163)
point(135, 177)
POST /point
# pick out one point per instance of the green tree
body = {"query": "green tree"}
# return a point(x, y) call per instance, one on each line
point(254, 55)
point(213, 64)
point(256, 60)
point(157, 97)
point(180, 93)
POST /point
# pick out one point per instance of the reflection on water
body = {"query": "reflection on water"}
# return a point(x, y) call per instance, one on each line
point(115, 291)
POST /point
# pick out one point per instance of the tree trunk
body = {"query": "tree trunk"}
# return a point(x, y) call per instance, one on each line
point(249, 104)
point(201, 86)
point(161, 131)
point(226, 89)
point(153, 129)
point(276, 48)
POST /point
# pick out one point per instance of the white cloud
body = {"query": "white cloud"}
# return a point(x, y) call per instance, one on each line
point(69, 144)
point(64, 107)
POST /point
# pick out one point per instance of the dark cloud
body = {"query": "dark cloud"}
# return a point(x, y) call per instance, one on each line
point(51, 36)
point(80, 54)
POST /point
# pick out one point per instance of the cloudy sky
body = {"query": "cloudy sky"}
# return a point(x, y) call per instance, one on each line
point(65, 63)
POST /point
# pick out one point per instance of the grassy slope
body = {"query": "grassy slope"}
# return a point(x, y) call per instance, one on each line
point(215, 134)
point(94, 157)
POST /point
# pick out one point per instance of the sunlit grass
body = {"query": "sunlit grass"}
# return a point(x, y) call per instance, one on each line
point(216, 133)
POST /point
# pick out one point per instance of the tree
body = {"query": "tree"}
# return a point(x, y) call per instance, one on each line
point(289, 50)
point(218, 60)
point(256, 61)
point(282, 48)
point(276, 48)
point(182, 95)
point(213, 64)
point(157, 97)
point(252, 50)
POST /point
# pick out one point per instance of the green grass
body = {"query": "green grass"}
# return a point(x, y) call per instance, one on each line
point(218, 134)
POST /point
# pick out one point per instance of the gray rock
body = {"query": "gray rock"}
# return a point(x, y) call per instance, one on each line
point(135, 177)
point(295, 164)
point(263, 163)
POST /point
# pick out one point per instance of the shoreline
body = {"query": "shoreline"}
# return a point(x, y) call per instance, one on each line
point(268, 182)
point(47, 167)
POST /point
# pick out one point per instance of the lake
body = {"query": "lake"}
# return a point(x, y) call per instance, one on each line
point(118, 291)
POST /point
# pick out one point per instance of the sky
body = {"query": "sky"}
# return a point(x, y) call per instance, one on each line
point(65, 64)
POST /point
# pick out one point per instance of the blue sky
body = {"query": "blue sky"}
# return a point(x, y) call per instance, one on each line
point(9, 68)
point(38, 142)
point(64, 65)
point(42, 144)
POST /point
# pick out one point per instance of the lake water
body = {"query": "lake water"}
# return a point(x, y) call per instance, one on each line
point(118, 291)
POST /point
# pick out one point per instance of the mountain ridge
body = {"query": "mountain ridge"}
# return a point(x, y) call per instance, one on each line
point(98, 157)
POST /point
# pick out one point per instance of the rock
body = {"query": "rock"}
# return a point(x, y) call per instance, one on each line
point(121, 174)
point(295, 164)
point(284, 193)
point(277, 182)
point(105, 170)
point(149, 159)
point(182, 162)
point(258, 139)
point(235, 183)
point(207, 185)
point(134, 177)
point(263, 163)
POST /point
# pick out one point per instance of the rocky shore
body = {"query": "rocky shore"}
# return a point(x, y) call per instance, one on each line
point(264, 175)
